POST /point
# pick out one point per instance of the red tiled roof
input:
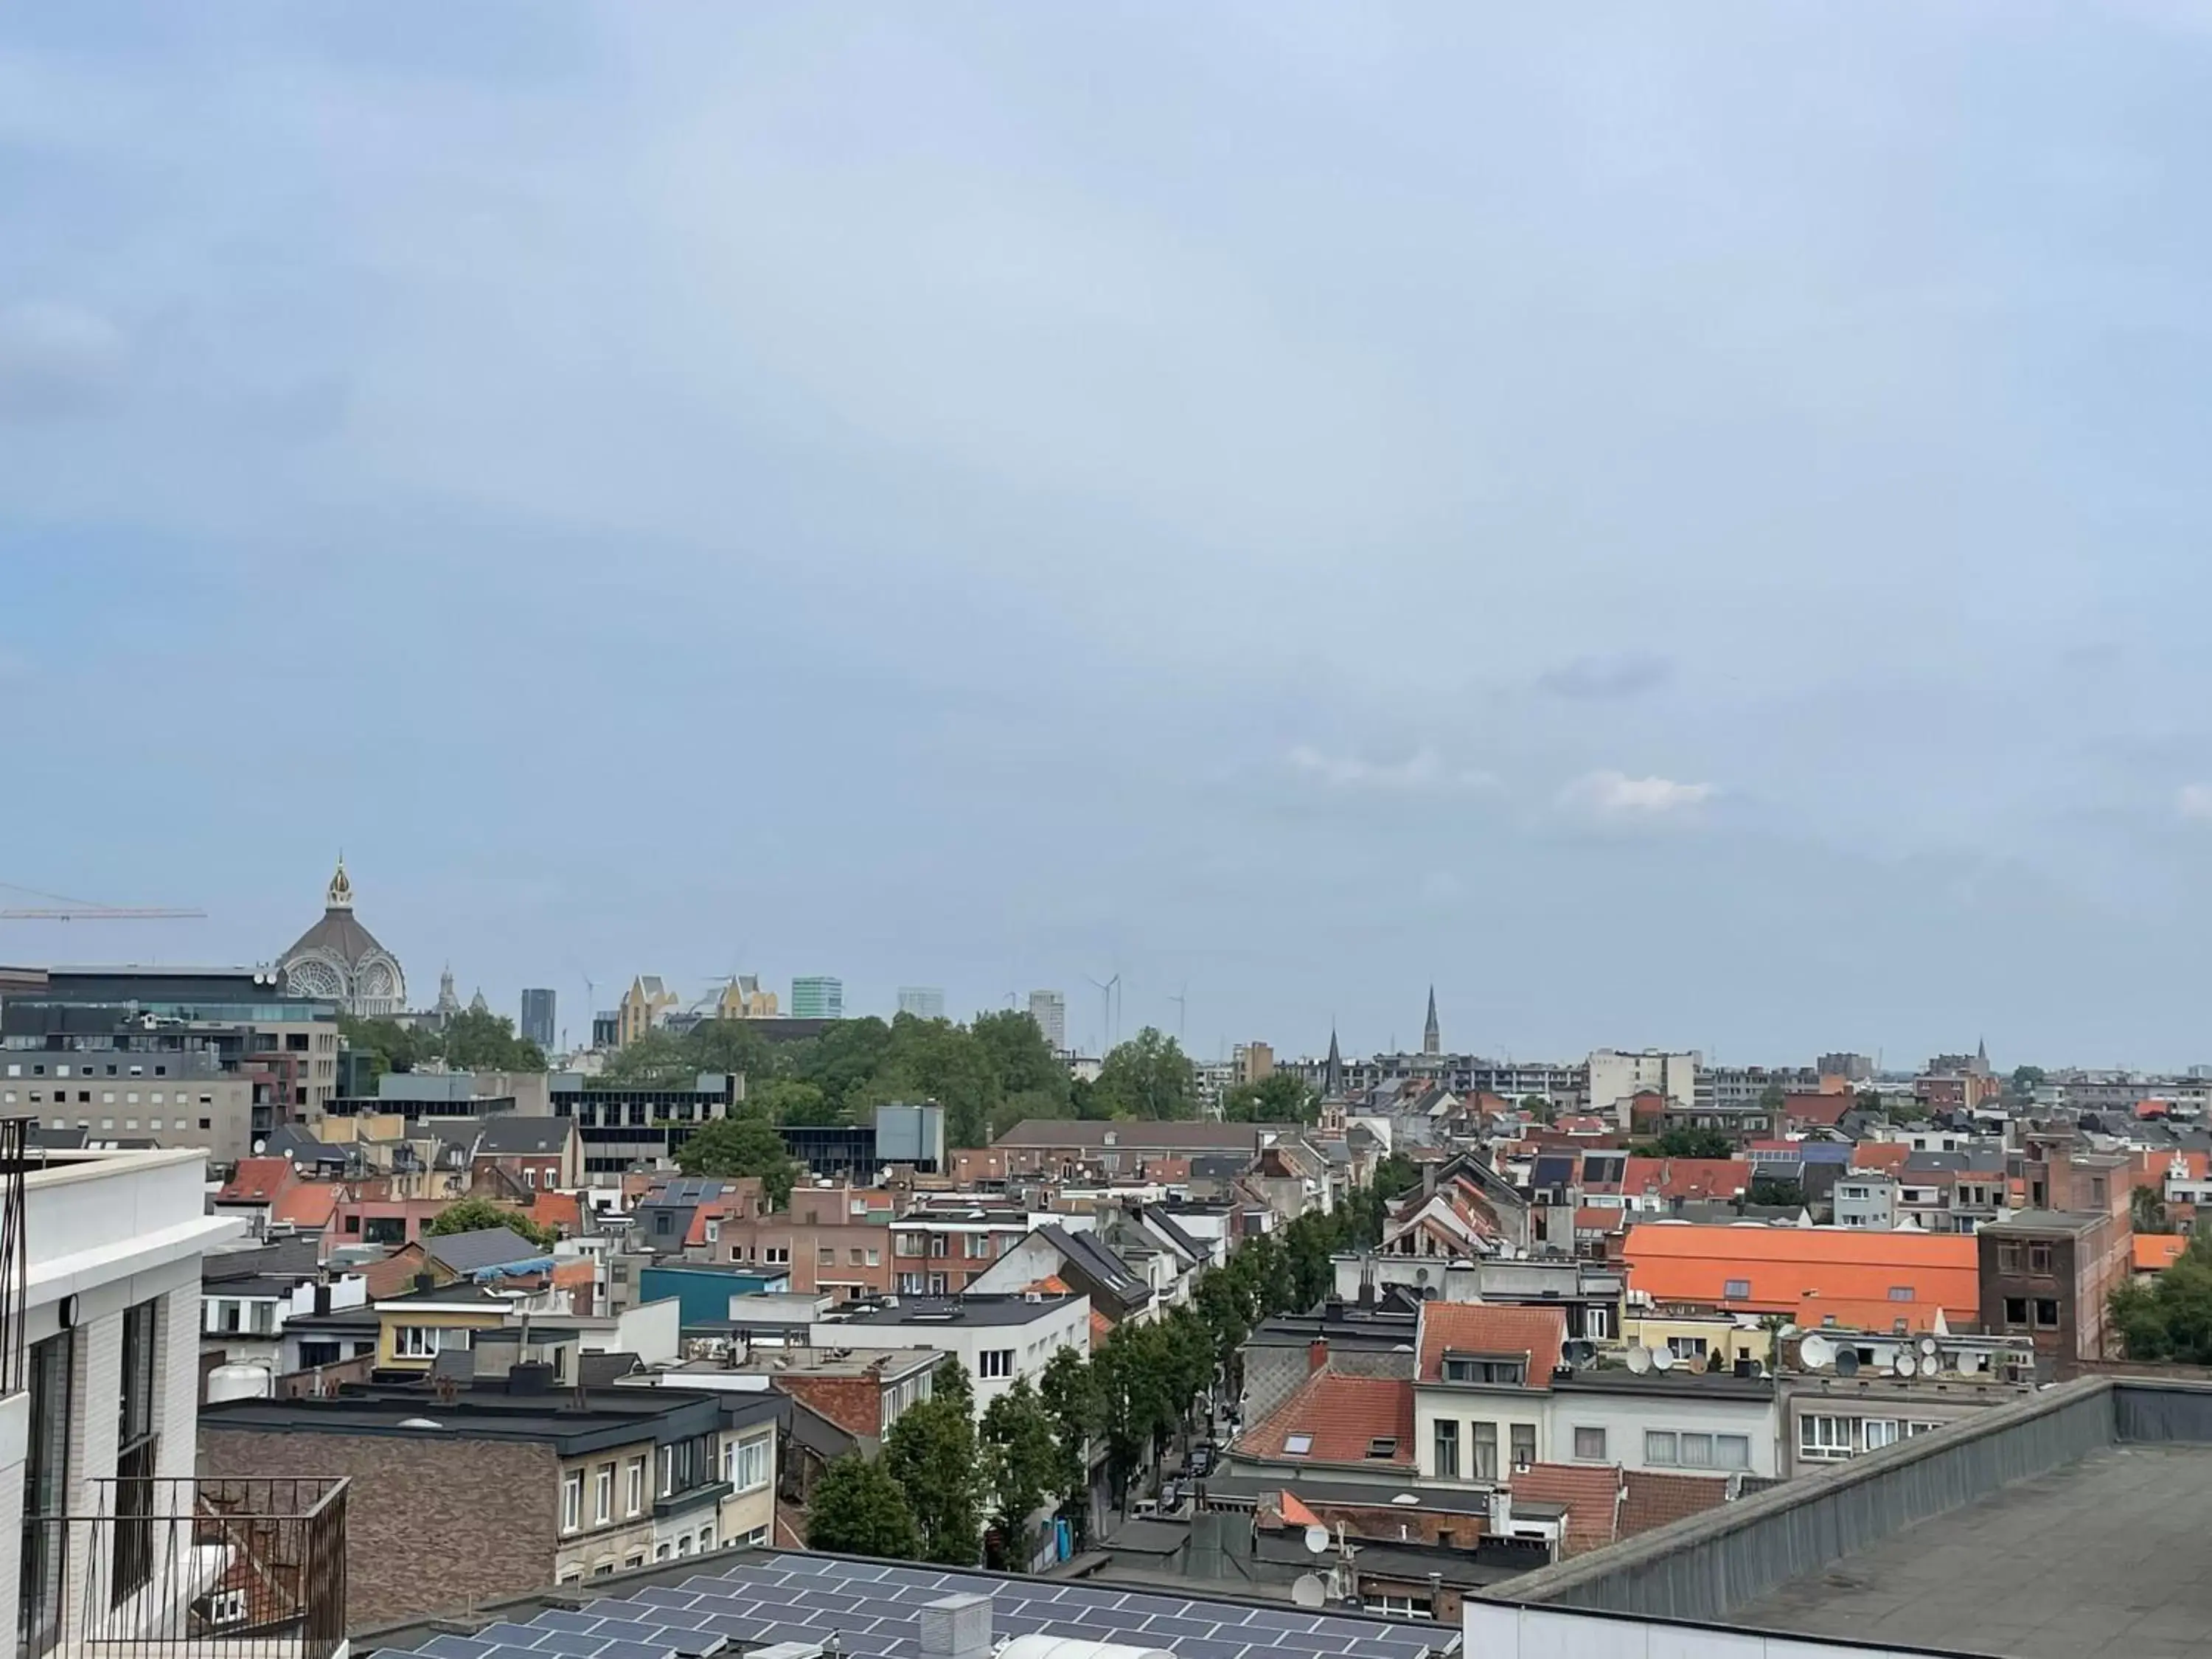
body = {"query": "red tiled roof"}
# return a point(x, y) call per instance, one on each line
point(2156, 1251)
point(561, 1209)
point(1599, 1218)
point(1801, 1271)
point(255, 1181)
point(1656, 1500)
point(1591, 1493)
point(1888, 1155)
point(308, 1204)
point(1345, 1416)
point(1295, 1512)
point(1688, 1177)
point(1826, 1110)
point(1492, 1327)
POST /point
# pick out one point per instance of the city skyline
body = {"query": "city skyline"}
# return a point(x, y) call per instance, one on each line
point(1676, 536)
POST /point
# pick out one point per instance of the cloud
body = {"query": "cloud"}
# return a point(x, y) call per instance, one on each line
point(2194, 801)
point(1617, 796)
point(57, 361)
point(1424, 771)
point(1591, 679)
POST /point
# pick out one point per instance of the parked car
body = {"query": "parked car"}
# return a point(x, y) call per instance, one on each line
point(1202, 1459)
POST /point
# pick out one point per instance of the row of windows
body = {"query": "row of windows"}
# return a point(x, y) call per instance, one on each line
point(1482, 1447)
point(1825, 1439)
point(662, 1551)
point(37, 1097)
point(747, 1466)
point(2031, 1313)
point(2011, 1253)
point(131, 1124)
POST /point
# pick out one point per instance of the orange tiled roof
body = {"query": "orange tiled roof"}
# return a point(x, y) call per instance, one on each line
point(256, 1180)
point(1656, 1500)
point(308, 1204)
point(1345, 1416)
point(1492, 1327)
point(1101, 1328)
point(1599, 1219)
point(1888, 1155)
point(1295, 1512)
point(2155, 1252)
point(1677, 1261)
point(1825, 1109)
point(1591, 1493)
point(562, 1210)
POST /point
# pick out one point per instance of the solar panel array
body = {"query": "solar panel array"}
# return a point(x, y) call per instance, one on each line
point(875, 1611)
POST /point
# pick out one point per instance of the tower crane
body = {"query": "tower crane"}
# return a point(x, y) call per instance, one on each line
point(65, 908)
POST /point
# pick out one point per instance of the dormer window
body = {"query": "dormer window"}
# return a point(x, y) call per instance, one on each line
point(1297, 1446)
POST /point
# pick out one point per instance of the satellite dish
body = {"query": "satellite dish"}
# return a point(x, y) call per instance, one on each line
point(1817, 1353)
point(1904, 1364)
point(1928, 1345)
point(1407, 1499)
point(1662, 1359)
point(1788, 1330)
point(1311, 1590)
point(1580, 1351)
point(1847, 1362)
point(1639, 1360)
point(1929, 1365)
point(1317, 1540)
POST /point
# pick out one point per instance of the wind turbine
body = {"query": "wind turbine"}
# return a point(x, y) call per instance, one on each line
point(1106, 989)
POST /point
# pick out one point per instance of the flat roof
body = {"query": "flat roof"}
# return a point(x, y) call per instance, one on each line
point(949, 1310)
point(2099, 1556)
point(610, 1417)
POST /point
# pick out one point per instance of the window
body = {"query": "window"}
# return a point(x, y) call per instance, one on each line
point(2016, 1312)
point(1446, 1449)
point(1686, 1347)
point(572, 1501)
point(907, 1245)
point(1900, 1293)
point(1485, 1451)
point(416, 1342)
point(1589, 1445)
point(758, 1535)
point(660, 1552)
point(776, 1255)
point(603, 1569)
point(1660, 1447)
point(2039, 1259)
point(2046, 1313)
point(1731, 1451)
point(995, 1362)
point(637, 1492)
point(826, 1256)
point(1912, 1429)
point(979, 1247)
point(1402, 1607)
point(1383, 1446)
point(875, 1258)
point(683, 1544)
point(1875, 1432)
point(603, 1495)
point(1736, 1290)
point(1473, 1368)
point(1524, 1444)
point(1297, 1446)
point(854, 1256)
point(751, 1464)
point(1827, 1437)
point(635, 1559)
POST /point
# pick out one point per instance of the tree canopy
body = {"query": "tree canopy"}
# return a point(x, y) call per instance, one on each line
point(473, 1215)
point(1689, 1143)
point(857, 1507)
point(1147, 1076)
point(931, 1453)
point(2170, 1318)
point(1278, 1098)
point(746, 1144)
point(469, 1041)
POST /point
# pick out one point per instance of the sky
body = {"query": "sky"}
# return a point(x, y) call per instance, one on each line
point(1678, 525)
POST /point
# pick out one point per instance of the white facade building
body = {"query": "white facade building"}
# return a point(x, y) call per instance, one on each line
point(999, 1339)
point(1617, 1077)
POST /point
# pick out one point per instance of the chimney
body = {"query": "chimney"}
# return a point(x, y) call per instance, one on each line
point(1317, 1355)
point(957, 1628)
point(425, 1282)
point(1428, 1180)
point(1501, 1512)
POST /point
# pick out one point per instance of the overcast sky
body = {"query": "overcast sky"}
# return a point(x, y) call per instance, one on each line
point(1683, 525)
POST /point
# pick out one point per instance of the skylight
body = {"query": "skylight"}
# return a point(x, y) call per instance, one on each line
point(1297, 1446)
point(1384, 1445)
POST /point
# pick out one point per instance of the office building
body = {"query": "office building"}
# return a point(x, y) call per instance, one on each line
point(818, 996)
point(1049, 1010)
point(537, 1025)
point(638, 1128)
point(606, 1027)
point(922, 1001)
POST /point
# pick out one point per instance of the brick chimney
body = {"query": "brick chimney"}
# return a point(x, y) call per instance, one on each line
point(1317, 1355)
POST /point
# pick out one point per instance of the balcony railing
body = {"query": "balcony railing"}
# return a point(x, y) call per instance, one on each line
point(178, 1569)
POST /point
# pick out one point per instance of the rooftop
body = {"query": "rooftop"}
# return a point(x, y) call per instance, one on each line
point(614, 1417)
point(949, 1310)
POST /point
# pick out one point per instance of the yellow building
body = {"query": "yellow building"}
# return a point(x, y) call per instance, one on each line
point(1697, 1337)
point(644, 1005)
point(413, 1329)
point(743, 998)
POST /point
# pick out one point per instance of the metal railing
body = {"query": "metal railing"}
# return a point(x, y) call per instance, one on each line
point(15, 1164)
point(253, 1568)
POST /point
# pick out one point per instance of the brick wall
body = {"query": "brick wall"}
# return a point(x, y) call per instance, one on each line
point(429, 1523)
point(854, 1404)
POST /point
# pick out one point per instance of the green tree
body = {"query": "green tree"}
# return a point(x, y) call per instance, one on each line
point(2026, 1079)
point(857, 1507)
point(474, 1042)
point(1538, 1107)
point(472, 1215)
point(1147, 1076)
point(784, 1099)
point(2147, 1209)
point(1022, 1060)
point(1774, 1097)
point(1690, 1143)
point(390, 1045)
point(730, 1046)
point(1069, 1393)
point(655, 1060)
point(931, 1452)
point(1780, 1194)
point(1278, 1098)
point(746, 1144)
point(2170, 1318)
point(1021, 1464)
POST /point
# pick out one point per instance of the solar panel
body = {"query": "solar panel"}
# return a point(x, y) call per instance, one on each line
point(569, 1641)
point(455, 1647)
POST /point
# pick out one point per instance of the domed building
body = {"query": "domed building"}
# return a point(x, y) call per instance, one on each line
point(340, 960)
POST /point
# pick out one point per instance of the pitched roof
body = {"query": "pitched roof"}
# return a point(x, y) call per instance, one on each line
point(561, 1209)
point(1343, 1418)
point(1490, 1327)
point(307, 1204)
point(1825, 1109)
point(2157, 1251)
point(255, 1181)
point(485, 1247)
point(1591, 1493)
point(1778, 1268)
point(1889, 1155)
point(1656, 1500)
point(510, 1135)
point(1137, 1136)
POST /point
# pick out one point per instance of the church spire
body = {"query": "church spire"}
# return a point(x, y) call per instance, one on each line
point(1332, 1074)
point(1432, 1040)
point(338, 895)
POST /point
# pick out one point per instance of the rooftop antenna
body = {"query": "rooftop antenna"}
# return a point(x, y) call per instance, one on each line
point(1181, 1000)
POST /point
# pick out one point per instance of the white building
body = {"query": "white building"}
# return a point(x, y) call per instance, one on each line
point(107, 1390)
point(1049, 1010)
point(922, 1001)
point(999, 1339)
point(1618, 1076)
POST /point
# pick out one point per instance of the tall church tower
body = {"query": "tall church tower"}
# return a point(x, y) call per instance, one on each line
point(1433, 1039)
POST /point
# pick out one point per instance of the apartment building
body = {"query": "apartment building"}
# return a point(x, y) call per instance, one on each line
point(827, 1248)
point(587, 1485)
point(945, 1243)
point(1000, 1339)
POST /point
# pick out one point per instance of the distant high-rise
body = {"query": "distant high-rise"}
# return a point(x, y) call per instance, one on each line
point(1432, 1036)
point(922, 1001)
point(1049, 1010)
point(538, 1019)
point(818, 996)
